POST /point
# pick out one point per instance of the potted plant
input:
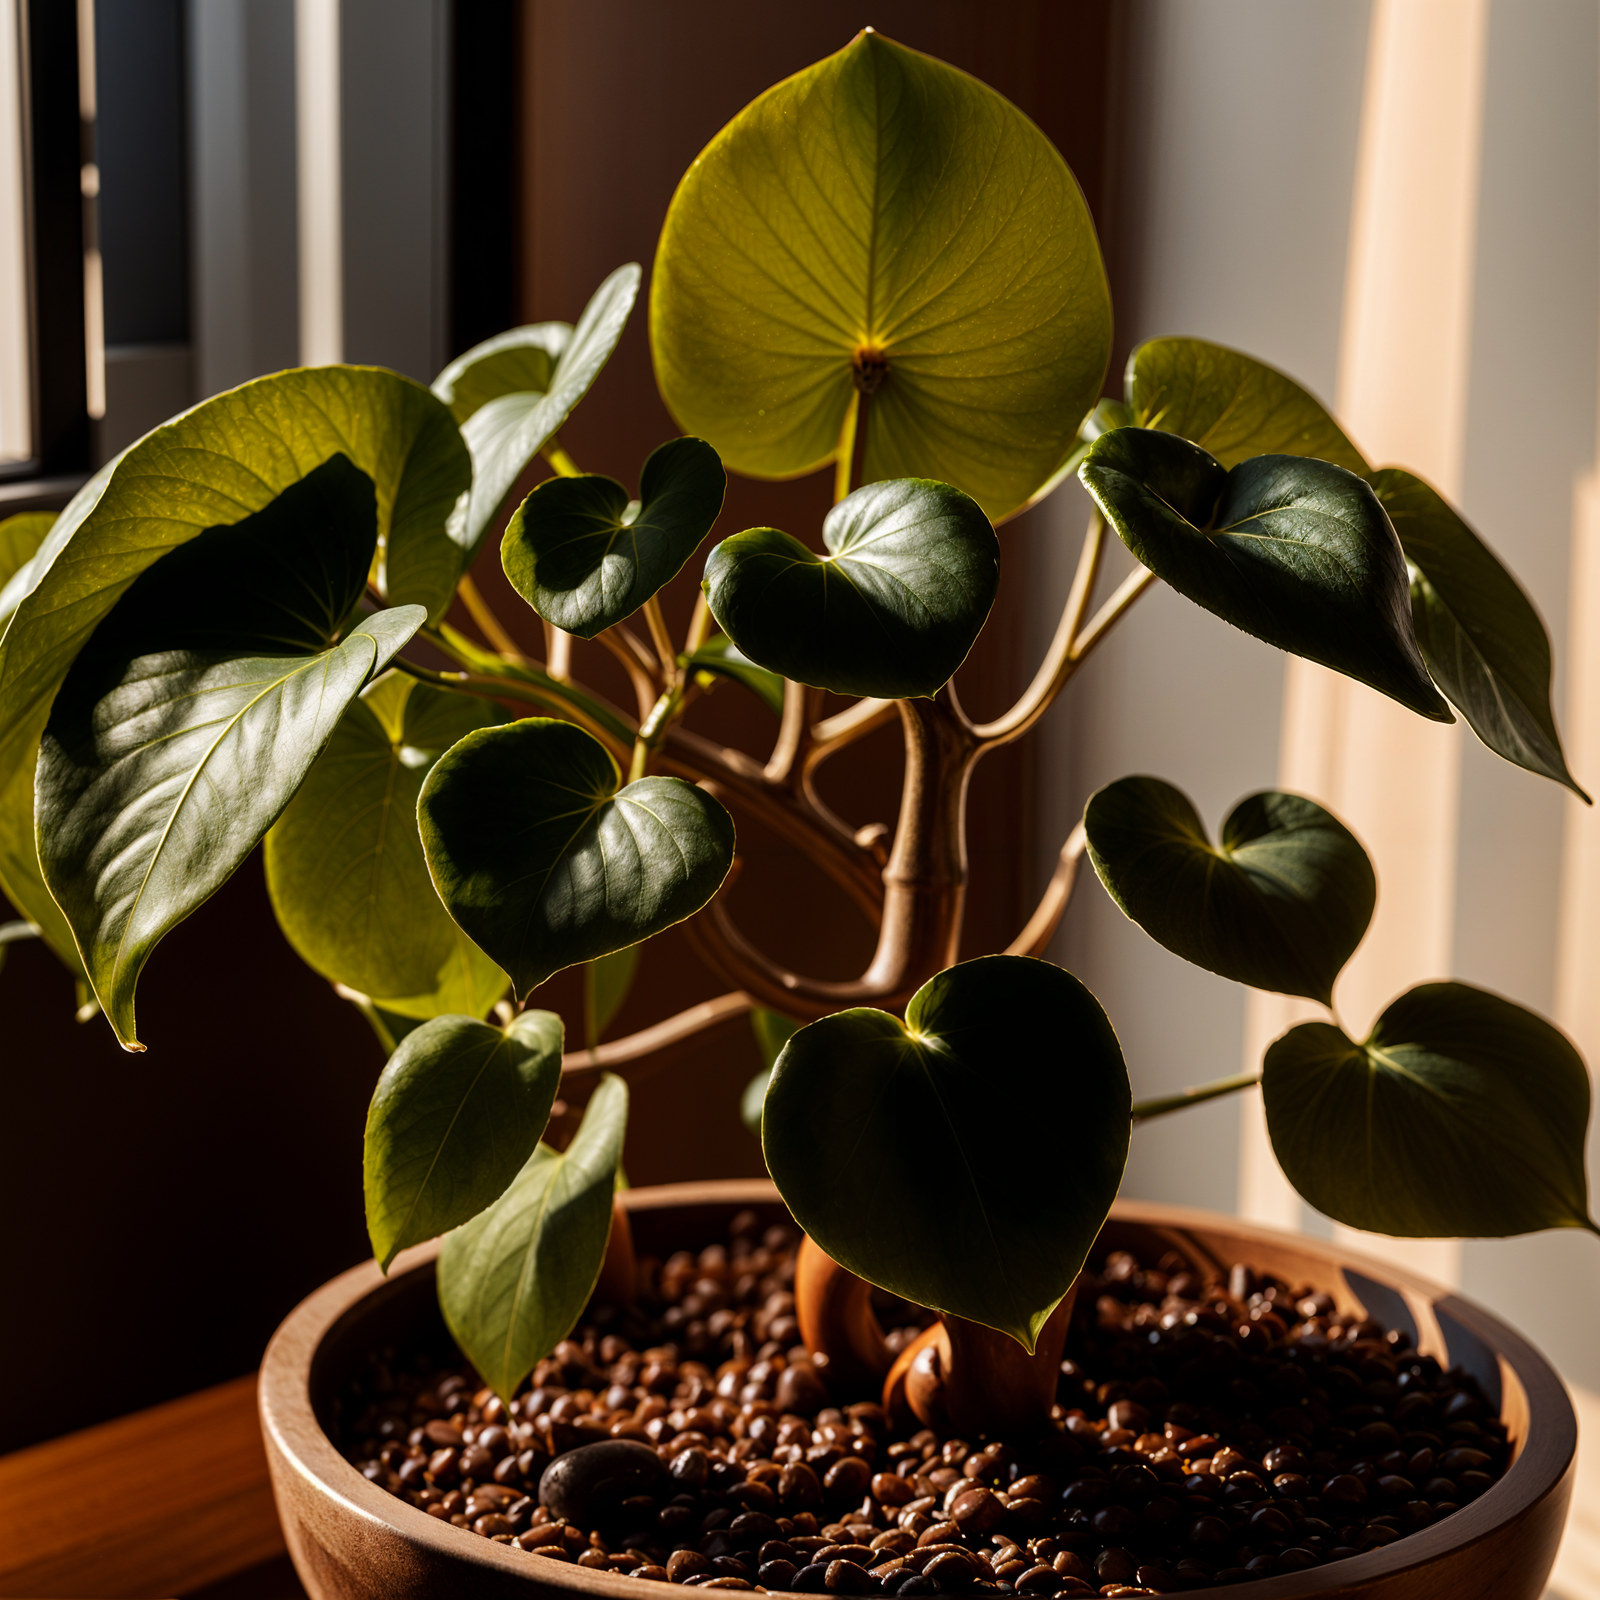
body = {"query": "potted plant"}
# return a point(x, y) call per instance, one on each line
point(880, 268)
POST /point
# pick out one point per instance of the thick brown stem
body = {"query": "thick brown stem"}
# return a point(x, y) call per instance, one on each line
point(659, 1045)
point(834, 1310)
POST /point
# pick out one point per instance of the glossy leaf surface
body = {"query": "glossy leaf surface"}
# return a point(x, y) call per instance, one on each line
point(883, 212)
point(1483, 641)
point(344, 862)
point(505, 433)
point(1297, 552)
point(225, 460)
point(186, 726)
point(514, 1280)
point(1280, 903)
point(519, 361)
point(546, 860)
point(456, 1114)
point(1231, 405)
point(21, 880)
point(722, 658)
point(892, 609)
point(584, 556)
point(961, 1205)
point(1462, 1115)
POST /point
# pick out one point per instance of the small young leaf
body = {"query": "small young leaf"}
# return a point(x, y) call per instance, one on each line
point(456, 1114)
point(505, 433)
point(1231, 405)
point(344, 862)
point(1297, 552)
point(889, 1142)
point(606, 982)
point(1478, 632)
point(1461, 1116)
point(546, 862)
point(720, 656)
point(892, 609)
point(584, 556)
point(1281, 903)
point(514, 1280)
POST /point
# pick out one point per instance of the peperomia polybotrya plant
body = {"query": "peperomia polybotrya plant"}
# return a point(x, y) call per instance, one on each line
point(883, 270)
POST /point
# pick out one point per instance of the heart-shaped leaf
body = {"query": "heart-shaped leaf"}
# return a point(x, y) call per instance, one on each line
point(1478, 632)
point(344, 862)
point(891, 610)
point(514, 1280)
point(1297, 552)
point(1461, 1116)
point(1281, 903)
point(584, 556)
point(882, 222)
point(926, 1157)
point(185, 727)
point(506, 432)
point(720, 657)
point(456, 1114)
point(519, 361)
point(225, 460)
point(1231, 405)
point(545, 861)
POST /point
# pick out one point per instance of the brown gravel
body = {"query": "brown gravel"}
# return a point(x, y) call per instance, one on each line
point(1204, 1433)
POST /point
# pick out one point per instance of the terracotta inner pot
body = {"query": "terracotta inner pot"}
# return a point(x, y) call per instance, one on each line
point(351, 1540)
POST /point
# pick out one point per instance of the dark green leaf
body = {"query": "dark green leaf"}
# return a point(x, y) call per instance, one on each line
point(584, 556)
point(186, 726)
point(1280, 904)
point(1461, 1116)
point(505, 433)
point(456, 1114)
point(215, 465)
point(345, 867)
point(515, 1279)
point(892, 609)
point(882, 211)
point(1479, 634)
point(1297, 552)
point(1231, 405)
point(519, 361)
point(722, 658)
point(927, 1157)
point(545, 861)
point(772, 1033)
point(606, 982)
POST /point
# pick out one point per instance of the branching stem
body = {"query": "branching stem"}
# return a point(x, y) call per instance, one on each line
point(488, 623)
point(1144, 1110)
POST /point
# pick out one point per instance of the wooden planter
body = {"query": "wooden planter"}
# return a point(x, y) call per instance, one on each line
point(351, 1540)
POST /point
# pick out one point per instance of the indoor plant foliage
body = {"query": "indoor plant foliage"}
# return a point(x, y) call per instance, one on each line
point(880, 268)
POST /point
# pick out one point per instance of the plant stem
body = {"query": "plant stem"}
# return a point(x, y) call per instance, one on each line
point(660, 637)
point(1144, 1110)
point(699, 623)
point(1112, 611)
point(488, 623)
point(1041, 926)
point(364, 1005)
point(559, 459)
point(559, 662)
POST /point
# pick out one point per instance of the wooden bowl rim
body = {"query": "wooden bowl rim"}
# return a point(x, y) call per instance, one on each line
point(296, 1439)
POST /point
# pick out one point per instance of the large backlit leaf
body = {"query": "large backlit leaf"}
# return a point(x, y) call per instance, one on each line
point(515, 1279)
point(506, 432)
point(546, 860)
point(186, 726)
point(927, 1156)
point(882, 219)
point(1461, 1115)
point(345, 867)
point(1297, 552)
point(584, 556)
point(21, 880)
point(226, 459)
point(456, 1114)
point(892, 609)
point(1479, 634)
point(1280, 903)
point(1231, 405)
